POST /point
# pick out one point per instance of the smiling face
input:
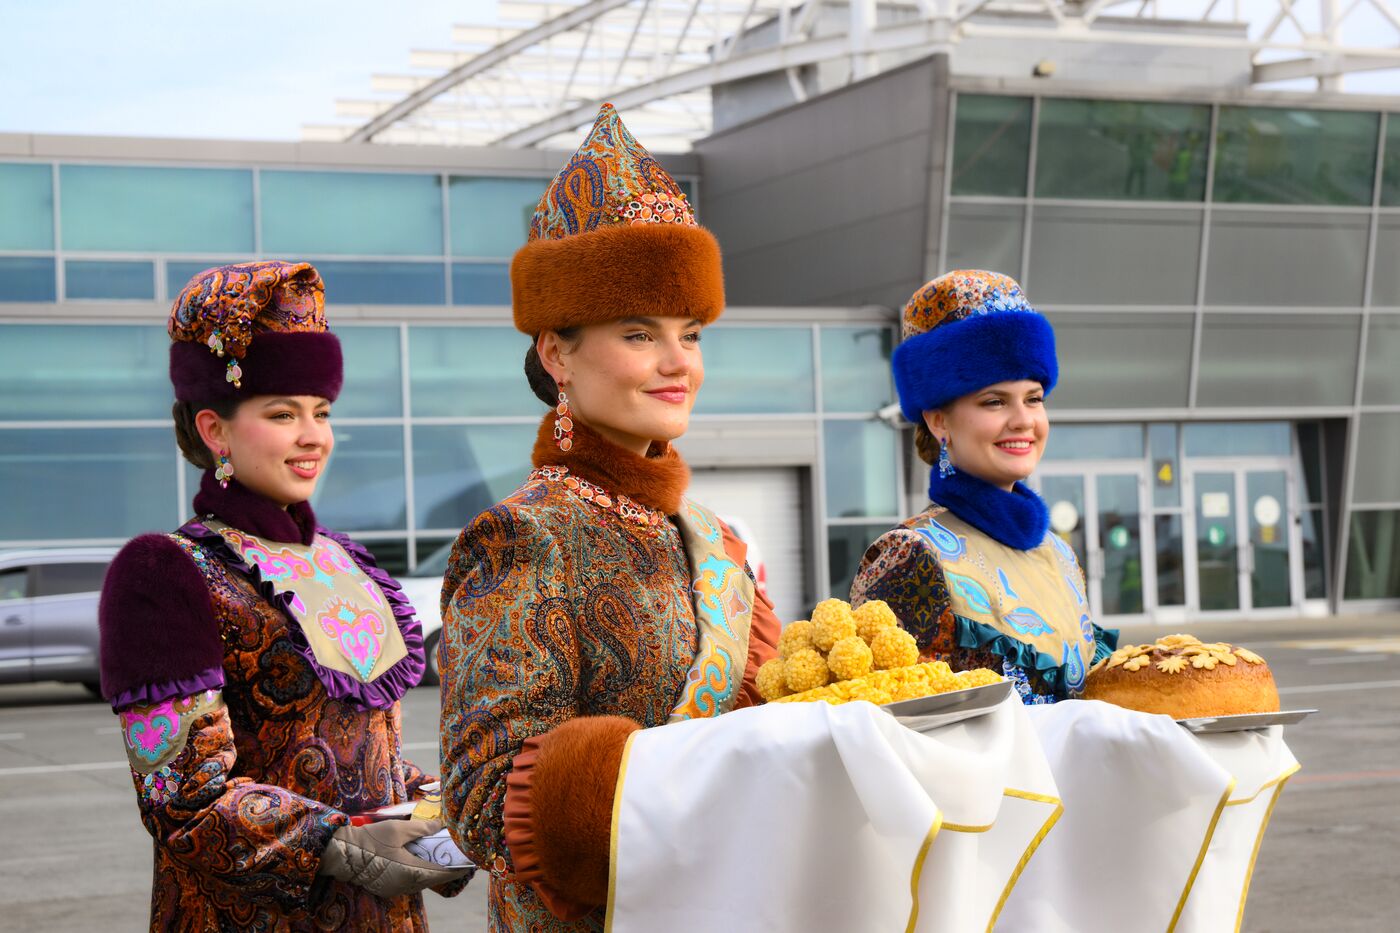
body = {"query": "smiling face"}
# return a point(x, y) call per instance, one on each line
point(278, 446)
point(996, 434)
point(633, 381)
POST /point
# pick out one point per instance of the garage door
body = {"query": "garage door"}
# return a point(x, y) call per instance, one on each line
point(767, 504)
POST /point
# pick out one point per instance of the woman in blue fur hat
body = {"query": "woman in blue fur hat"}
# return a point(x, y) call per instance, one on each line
point(977, 577)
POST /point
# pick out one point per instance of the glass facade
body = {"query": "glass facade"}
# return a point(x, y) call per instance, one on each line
point(1122, 150)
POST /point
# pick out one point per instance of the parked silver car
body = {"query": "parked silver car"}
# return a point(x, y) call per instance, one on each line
point(48, 614)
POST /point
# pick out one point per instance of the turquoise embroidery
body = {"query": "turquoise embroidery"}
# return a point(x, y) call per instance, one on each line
point(1006, 585)
point(949, 545)
point(715, 588)
point(1074, 669)
point(970, 590)
point(1028, 622)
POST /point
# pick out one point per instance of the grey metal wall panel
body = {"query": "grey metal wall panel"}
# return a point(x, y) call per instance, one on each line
point(827, 202)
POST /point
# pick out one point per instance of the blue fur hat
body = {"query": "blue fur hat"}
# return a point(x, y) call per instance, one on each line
point(967, 330)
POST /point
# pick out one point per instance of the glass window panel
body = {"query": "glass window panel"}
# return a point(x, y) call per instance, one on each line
point(1065, 497)
point(1122, 360)
point(391, 554)
point(757, 370)
point(459, 470)
point(1385, 272)
point(1236, 439)
point(991, 145)
point(66, 579)
point(1314, 555)
point(985, 236)
point(491, 216)
point(1286, 258)
point(355, 213)
point(1278, 359)
point(860, 469)
point(383, 283)
point(1112, 256)
point(480, 283)
point(177, 210)
point(14, 583)
point(1121, 150)
point(433, 554)
point(1382, 383)
point(856, 367)
point(1377, 453)
point(102, 279)
point(845, 546)
point(84, 373)
point(1390, 174)
point(470, 371)
point(373, 381)
point(27, 278)
point(1171, 581)
point(1373, 555)
point(363, 489)
point(26, 191)
point(110, 482)
point(1094, 442)
point(1310, 452)
point(1166, 479)
point(1271, 155)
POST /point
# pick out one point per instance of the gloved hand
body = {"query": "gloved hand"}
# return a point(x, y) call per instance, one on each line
point(373, 857)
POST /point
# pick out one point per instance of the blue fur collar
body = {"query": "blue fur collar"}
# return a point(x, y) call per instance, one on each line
point(1017, 519)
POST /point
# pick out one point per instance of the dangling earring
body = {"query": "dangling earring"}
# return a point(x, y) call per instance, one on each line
point(224, 472)
point(563, 424)
point(945, 466)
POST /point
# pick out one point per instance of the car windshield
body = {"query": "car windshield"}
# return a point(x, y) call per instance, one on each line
point(435, 564)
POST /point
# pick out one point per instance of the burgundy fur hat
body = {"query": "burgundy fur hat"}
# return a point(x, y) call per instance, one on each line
point(254, 328)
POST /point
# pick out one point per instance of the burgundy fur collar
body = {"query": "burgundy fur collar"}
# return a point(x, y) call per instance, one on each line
point(658, 480)
point(247, 511)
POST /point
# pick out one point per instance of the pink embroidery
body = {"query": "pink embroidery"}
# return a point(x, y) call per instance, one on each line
point(359, 634)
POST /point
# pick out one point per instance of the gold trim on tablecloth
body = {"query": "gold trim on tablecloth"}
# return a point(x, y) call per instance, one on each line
point(1277, 783)
point(918, 870)
point(1025, 859)
point(616, 825)
point(1201, 856)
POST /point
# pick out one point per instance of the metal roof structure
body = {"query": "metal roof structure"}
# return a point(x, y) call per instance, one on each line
point(540, 73)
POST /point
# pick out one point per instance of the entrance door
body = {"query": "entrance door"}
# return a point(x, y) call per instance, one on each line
point(1243, 550)
point(1100, 513)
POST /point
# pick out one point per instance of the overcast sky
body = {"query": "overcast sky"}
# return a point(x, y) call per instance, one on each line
point(259, 69)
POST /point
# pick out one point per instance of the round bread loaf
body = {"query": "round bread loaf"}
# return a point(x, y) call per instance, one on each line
point(1184, 678)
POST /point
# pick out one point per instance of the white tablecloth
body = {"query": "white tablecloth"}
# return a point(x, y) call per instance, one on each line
point(1160, 829)
point(809, 817)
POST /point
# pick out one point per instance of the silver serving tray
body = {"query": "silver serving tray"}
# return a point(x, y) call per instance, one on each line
point(924, 713)
point(1241, 722)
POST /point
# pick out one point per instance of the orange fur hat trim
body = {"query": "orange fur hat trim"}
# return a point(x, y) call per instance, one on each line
point(613, 237)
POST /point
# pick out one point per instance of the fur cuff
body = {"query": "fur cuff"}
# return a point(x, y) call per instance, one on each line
point(557, 813)
point(276, 364)
point(617, 271)
point(959, 357)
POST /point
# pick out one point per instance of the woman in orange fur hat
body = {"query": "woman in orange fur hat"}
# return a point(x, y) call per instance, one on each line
point(595, 600)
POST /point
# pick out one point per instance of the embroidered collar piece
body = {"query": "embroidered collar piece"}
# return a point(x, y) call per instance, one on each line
point(629, 509)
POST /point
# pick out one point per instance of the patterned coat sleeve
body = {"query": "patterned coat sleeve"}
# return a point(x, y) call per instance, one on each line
point(904, 571)
point(255, 841)
point(510, 667)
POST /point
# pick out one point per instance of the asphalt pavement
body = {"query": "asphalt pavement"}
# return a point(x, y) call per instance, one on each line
point(76, 858)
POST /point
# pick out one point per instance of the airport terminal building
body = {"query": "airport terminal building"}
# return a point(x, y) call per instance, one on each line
point(1220, 267)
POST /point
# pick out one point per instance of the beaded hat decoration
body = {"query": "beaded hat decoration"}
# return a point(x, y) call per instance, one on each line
point(240, 317)
point(964, 331)
point(614, 236)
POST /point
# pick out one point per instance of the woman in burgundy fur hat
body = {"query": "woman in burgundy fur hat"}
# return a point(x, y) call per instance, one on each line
point(255, 659)
point(595, 600)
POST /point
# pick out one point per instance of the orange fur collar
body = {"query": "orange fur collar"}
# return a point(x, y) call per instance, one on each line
point(658, 480)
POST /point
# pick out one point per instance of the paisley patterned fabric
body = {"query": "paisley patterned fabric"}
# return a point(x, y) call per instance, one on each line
point(960, 295)
point(226, 306)
point(977, 615)
point(611, 179)
point(554, 607)
point(241, 796)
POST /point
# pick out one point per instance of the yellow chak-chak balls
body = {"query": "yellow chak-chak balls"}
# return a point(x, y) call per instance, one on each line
point(805, 670)
point(831, 622)
point(771, 685)
point(850, 658)
point(873, 616)
point(796, 636)
point(894, 647)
